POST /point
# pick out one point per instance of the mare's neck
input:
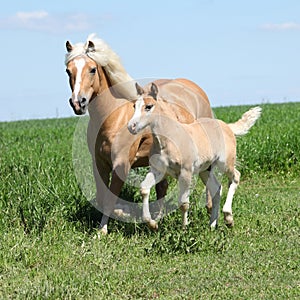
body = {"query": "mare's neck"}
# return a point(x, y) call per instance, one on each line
point(104, 101)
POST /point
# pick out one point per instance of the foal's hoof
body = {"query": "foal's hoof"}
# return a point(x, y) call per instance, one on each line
point(228, 218)
point(153, 225)
point(214, 225)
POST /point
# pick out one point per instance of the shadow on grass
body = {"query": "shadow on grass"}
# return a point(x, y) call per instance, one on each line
point(90, 217)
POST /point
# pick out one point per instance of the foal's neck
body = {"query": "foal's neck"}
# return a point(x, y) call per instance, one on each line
point(163, 126)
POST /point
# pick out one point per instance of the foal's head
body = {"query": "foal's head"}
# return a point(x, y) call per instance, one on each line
point(84, 78)
point(143, 109)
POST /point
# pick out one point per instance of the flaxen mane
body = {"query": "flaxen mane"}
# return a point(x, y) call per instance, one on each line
point(109, 60)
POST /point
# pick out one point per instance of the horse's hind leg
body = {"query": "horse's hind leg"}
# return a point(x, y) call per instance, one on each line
point(204, 177)
point(184, 182)
point(234, 179)
point(214, 188)
point(208, 204)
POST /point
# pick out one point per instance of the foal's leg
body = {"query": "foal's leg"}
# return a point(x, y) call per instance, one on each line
point(204, 177)
point(214, 188)
point(184, 181)
point(161, 191)
point(234, 179)
point(150, 180)
point(208, 204)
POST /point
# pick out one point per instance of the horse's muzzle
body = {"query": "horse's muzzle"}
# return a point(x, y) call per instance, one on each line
point(132, 127)
point(78, 108)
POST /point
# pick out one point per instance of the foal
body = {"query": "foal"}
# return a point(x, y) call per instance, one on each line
point(183, 150)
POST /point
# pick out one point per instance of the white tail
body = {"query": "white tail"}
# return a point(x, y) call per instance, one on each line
point(248, 119)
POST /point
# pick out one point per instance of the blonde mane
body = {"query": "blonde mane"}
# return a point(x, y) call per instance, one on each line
point(110, 61)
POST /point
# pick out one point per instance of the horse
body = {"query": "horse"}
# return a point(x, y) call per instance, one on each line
point(183, 150)
point(101, 86)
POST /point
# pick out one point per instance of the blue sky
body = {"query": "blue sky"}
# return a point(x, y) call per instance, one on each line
point(239, 52)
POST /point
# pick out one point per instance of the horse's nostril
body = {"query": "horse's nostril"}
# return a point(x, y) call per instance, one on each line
point(83, 100)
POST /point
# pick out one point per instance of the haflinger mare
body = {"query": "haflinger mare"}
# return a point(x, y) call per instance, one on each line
point(183, 150)
point(101, 86)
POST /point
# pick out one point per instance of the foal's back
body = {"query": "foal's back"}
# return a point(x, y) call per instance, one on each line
point(213, 139)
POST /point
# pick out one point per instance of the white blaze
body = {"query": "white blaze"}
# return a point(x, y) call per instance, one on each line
point(134, 121)
point(138, 109)
point(79, 64)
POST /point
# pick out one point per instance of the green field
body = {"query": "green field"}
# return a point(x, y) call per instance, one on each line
point(48, 248)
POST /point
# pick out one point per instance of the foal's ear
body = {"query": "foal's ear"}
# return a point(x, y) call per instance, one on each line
point(90, 47)
point(69, 46)
point(153, 91)
point(139, 89)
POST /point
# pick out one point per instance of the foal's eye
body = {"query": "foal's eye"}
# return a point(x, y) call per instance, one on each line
point(93, 71)
point(68, 72)
point(148, 107)
point(133, 106)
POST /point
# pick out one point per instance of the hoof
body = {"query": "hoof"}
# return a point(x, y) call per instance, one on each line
point(184, 206)
point(119, 212)
point(184, 227)
point(214, 225)
point(153, 225)
point(101, 232)
point(228, 218)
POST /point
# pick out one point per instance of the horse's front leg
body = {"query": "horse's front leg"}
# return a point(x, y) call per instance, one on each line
point(150, 180)
point(102, 182)
point(118, 177)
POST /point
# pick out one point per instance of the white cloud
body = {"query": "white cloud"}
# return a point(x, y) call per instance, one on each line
point(25, 16)
point(43, 21)
point(281, 26)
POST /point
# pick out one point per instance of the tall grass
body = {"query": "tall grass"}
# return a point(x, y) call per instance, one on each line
point(272, 145)
point(48, 248)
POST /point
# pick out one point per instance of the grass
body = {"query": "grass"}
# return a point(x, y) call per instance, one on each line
point(48, 248)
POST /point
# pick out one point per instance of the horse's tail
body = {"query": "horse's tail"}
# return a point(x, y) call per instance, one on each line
point(248, 119)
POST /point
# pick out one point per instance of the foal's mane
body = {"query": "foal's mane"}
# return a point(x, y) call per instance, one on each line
point(106, 58)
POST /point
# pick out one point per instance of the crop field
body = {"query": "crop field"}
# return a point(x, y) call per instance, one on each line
point(48, 230)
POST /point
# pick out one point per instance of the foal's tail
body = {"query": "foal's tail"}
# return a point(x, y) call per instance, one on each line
point(248, 119)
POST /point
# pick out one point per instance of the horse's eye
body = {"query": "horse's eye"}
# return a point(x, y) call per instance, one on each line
point(93, 71)
point(133, 106)
point(148, 107)
point(68, 72)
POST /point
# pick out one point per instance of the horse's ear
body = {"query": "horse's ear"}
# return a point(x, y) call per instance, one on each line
point(153, 91)
point(69, 46)
point(139, 89)
point(91, 47)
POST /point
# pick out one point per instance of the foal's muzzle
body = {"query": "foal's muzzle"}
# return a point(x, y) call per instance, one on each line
point(132, 127)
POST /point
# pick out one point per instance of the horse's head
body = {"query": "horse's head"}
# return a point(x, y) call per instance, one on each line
point(143, 109)
point(84, 78)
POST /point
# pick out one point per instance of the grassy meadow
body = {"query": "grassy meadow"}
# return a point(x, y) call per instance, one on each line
point(48, 248)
